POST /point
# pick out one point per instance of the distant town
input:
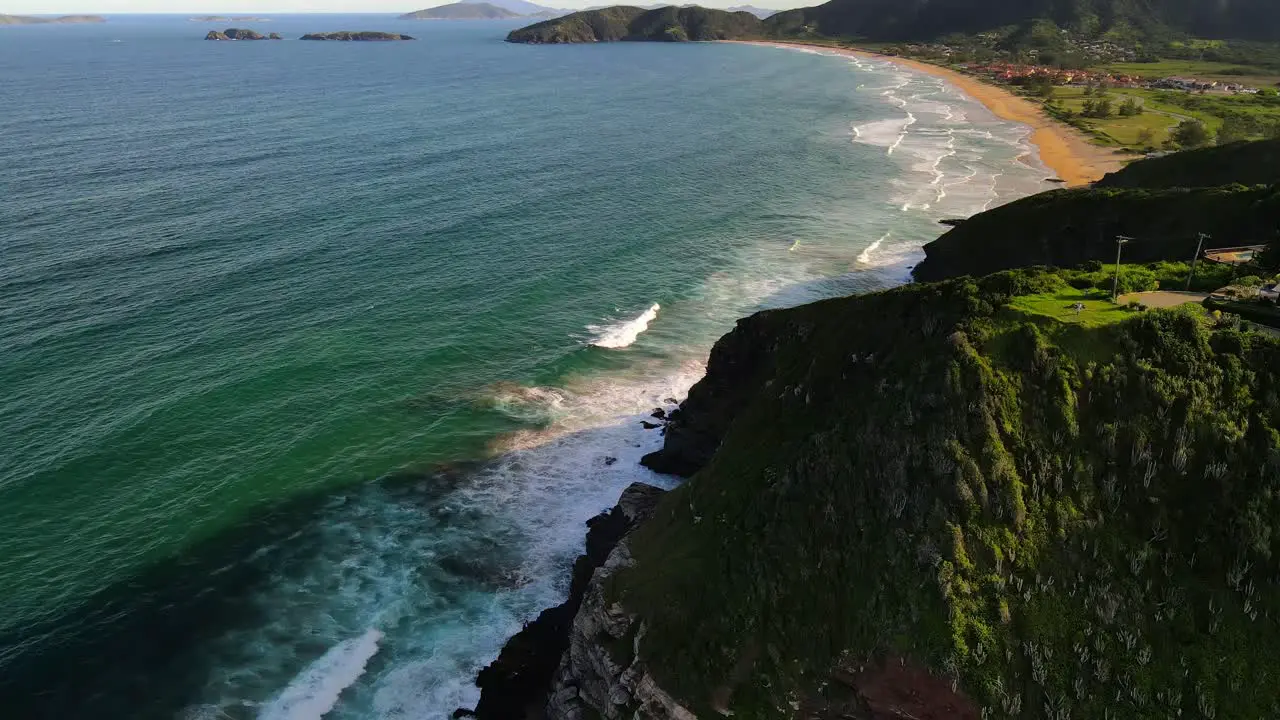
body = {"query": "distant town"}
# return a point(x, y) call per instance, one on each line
point(1021, 74)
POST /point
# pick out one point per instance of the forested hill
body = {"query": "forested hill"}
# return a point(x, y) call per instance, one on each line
point(1231, 191)
point(1246, 163)
point(941, 502)
point(929, 19)
point(633, 23)
point(894, 20)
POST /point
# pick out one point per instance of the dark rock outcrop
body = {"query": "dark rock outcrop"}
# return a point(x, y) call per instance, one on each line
point(361, 36)
point(239, 34)
point(694, 431)
point(516, 685)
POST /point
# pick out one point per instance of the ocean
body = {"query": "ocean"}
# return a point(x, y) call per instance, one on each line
point(317, 356)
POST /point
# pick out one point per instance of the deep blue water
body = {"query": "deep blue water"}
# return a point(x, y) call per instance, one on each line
point(313, 353)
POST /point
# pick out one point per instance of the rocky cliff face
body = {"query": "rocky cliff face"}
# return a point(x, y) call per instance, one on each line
point(601, 674)
point(537, 674)
point(693, 432)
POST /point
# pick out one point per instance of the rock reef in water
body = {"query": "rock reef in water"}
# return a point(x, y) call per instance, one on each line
point(361, 36)
point(240, 34)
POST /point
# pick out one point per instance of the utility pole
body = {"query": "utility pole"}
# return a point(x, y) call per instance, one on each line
point(1115, 284)
point(1196, 257)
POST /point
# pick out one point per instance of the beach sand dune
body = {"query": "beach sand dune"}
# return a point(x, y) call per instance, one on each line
point(1064, 149)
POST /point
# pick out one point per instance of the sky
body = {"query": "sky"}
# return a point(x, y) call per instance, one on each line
point(262, 7)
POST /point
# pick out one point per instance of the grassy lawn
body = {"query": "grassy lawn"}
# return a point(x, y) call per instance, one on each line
point(1203, 70)
point(1124, 131)
point(1098, 308)
point(1163, 110)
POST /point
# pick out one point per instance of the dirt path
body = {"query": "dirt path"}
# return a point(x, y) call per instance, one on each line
point(1164, 298)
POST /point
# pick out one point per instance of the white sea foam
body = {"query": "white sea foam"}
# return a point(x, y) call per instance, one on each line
point(623, 334)
point(865, 256)
point(315, 690)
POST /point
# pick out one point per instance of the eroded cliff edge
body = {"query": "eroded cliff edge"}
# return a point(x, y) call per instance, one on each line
point(940, 502)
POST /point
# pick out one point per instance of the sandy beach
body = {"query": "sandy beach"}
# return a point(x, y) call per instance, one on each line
point(1064, 149)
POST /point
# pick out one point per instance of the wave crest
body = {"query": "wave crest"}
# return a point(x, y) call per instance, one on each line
point(315, 690)
point(623, 334)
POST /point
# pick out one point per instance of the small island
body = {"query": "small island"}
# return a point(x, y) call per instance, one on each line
point(240, 34)
point(669, 24)
point(219, 18)
point(361, 36)
point(64, 20)
point(462, 11)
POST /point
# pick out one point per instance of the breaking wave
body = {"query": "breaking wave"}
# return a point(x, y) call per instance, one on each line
point(623, 334)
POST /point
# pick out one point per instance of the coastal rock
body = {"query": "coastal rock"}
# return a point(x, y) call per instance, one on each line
point(601, 675)
point(694, 431)
point(238, 34)
point(274, 36)
point(361, 36)
point(517, 684)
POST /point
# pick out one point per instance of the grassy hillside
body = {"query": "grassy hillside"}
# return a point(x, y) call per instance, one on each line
point(1122, 20)
point(941, 489)
point(1066, 228)
point(1249, 163)
point(632, 23)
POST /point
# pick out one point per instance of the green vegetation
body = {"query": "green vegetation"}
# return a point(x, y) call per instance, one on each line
point(1067, 228)
point(1064, 519)
point(1052, 28)
point(633, 23)
point(1130, 111)
point(1255, 163)
point(1190, 134)
point(1036, 23)
point(1060, 304)
point(1249, 74)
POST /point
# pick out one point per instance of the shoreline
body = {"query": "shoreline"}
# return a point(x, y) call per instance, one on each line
point(1062, 148)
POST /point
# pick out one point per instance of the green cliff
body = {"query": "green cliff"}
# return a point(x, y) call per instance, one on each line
point(1066, 228)
point(1025, 23)
point(1247, 163)
point(940, 501)
point(633, 23)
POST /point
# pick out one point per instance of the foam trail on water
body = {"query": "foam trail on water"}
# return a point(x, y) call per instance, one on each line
point(315, 690)
point(623, 334)
point(865, 256)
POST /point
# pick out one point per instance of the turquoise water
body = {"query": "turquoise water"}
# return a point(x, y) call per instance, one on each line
point(316, 356)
